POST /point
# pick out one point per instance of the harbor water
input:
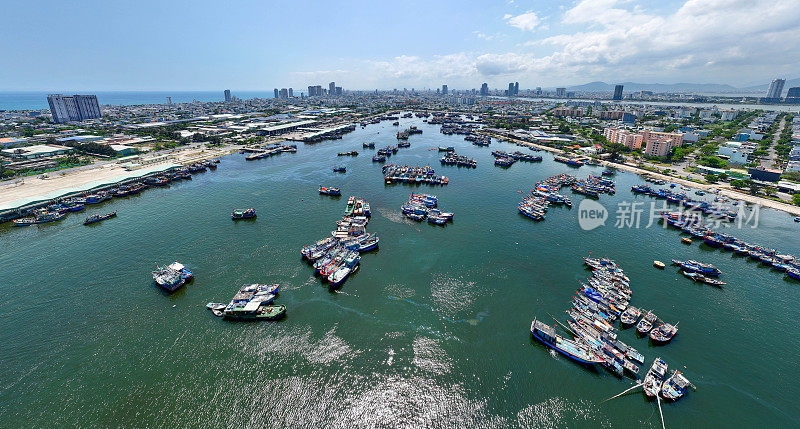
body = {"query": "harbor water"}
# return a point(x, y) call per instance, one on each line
point(432, 331)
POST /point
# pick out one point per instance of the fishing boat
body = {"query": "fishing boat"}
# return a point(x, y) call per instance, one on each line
point(339, 169)
point(43, 217)
point(630, 316)
point(334, 192)
point(697, 267)
point(697, 277)
point(347, 267)
point(351, 153)
point(370, 145)
point(674, 387)
point(686, 240)
point(646, 324)
point(575, 350)
point(447, 149)
point(172, 277)
point(99, 217)
point(658, 264)
point(243, 214)
point(379, 158)
point(655, 377)
point(253, 302)
point(664, 333)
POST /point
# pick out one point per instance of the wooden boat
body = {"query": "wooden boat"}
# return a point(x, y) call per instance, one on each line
point(575, 350)
point(664, 333)
point(98, 217)
point(243, 214)
point(686, 240)
point(334, 192)
point(655, 377)
point(658, 264)
point(674, 387)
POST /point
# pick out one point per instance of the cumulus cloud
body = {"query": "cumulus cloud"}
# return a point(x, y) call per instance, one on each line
point(528, 21)
point(733, 41)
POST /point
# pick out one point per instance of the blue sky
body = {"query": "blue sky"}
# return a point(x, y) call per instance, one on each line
point(258, 45)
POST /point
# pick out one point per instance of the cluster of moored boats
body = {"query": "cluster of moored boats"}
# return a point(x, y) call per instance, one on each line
point(403, 135)
point(571, 161)
point(515, 156)
point(269, 150)
point(338, 256)
point(691, 223)
point(350, 153)
point(700, 272)
point(479, 139)
point(718, 211)
point(595, 307)
point(452, 158)
point(425, 206)
point(407, 174)
point(593, 186)
point(251, 302)
point(58, 209)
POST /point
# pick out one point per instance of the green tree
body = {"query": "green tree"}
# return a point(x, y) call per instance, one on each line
point(711, 178)
point(796, 199)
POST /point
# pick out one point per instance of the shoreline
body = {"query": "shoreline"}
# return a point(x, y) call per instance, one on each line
point(23, 194)
point(721, 190)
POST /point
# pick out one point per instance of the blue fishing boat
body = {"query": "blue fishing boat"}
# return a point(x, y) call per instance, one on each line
point(334, 192)
point(574, 350)
point(339, 169)
point(243, 214)
point(99, 217)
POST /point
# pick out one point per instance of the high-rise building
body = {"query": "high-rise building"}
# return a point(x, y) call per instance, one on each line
point(227, 95)
point(315, 91)
point(276, 92)
point(538, 90)
point(485, 89)
point(338, 90)
point(617, 92)
point(332, 89)
point(793, 96)
point(510, 90)
point(66, 108)
point(516, 88)
point(444, 89)
point(775, 89)
point(284, 94)
point(561, 92)
point(291, 93)
point(169, 100)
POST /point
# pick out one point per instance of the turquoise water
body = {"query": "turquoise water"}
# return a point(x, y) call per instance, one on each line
point(432, 331)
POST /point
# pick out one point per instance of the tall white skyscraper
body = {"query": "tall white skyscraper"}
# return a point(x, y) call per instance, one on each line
point(776, 88)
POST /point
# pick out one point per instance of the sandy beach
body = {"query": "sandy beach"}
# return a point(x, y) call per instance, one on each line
point(43, 187)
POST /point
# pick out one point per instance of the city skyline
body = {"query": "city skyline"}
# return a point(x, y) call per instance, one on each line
point(537, 44)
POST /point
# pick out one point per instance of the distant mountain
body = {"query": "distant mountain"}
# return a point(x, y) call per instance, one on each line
point(659, 87)
point(763, 88)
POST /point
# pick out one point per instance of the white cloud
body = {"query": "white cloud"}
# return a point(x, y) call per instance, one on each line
point(528, 21)
point(725, 41)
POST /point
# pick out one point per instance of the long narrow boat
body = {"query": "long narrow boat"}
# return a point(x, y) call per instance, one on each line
point(99, 217)
point(572, 349)
point(655, 377)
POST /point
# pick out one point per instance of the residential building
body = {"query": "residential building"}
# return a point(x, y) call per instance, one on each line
point(737, 152)
point(444, 89)
point(516, 88)
point(67, 108)
point(623, 137)
point(617, 92)
point(793, 96)
point(775, 89)
point(561, 92)
point(485, 89)
point(332, 89)
point(566, 111)
point(728, 115)
point(227, 95)
point(510, 91)
point(659, 144)
point(291, 93)
point(276, 92)
point(284, 94)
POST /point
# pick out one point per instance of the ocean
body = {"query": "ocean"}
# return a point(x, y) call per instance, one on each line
point(432, 331)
